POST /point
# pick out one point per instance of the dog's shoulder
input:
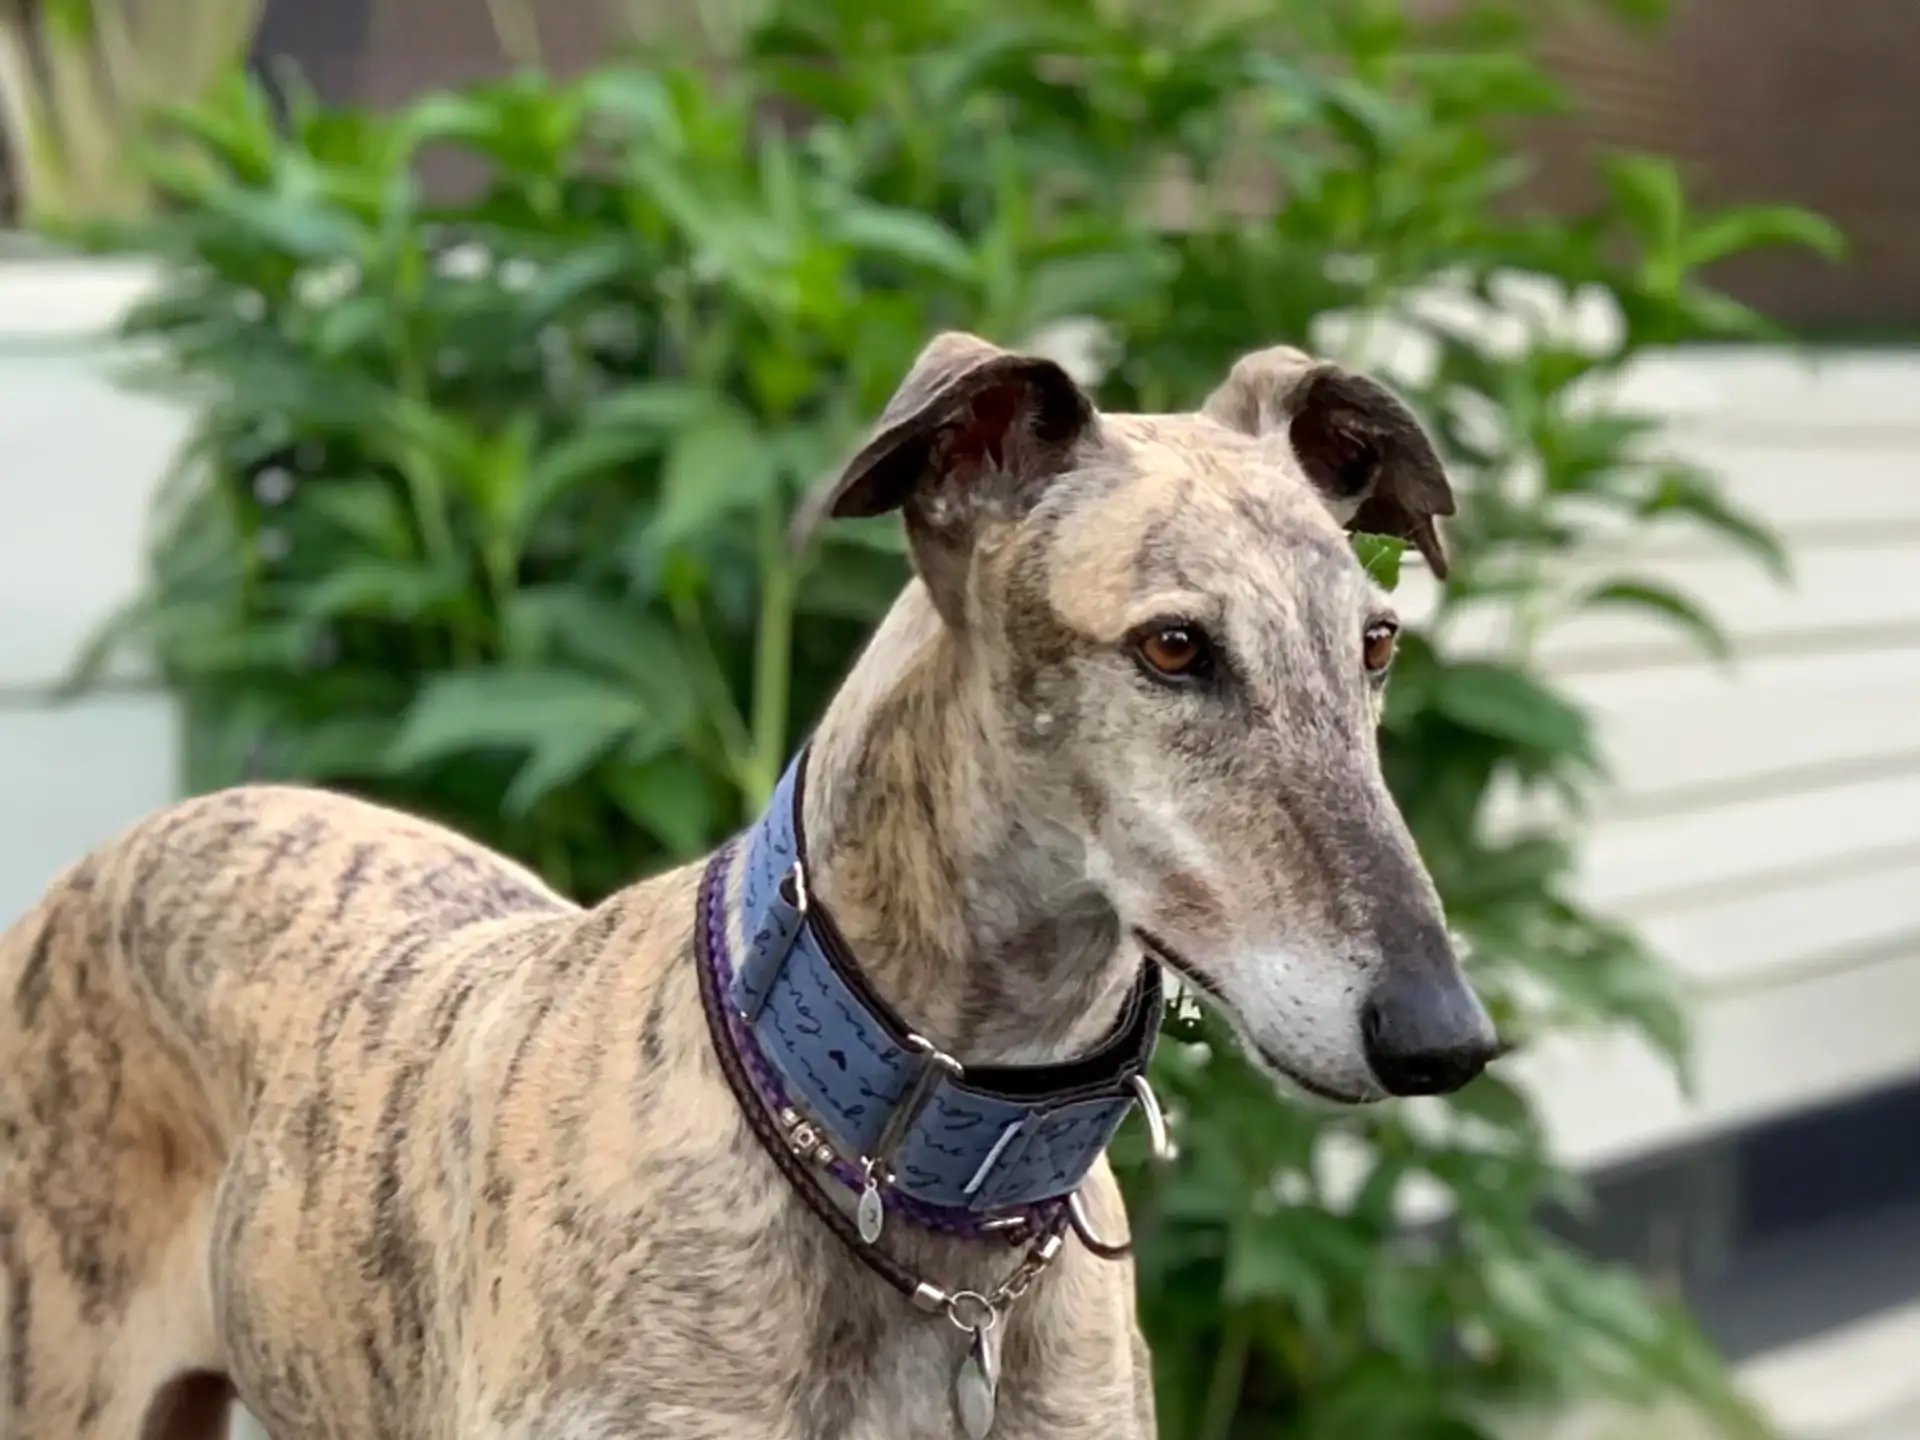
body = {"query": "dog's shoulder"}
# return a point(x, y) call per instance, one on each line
point(323, 850)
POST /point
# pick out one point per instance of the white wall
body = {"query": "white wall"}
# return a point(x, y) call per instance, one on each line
point(1764, 832)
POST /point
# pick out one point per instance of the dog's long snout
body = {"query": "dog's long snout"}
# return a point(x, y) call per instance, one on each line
point(1425, 1031)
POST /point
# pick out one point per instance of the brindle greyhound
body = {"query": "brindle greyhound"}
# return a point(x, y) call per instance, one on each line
point(319, 1104)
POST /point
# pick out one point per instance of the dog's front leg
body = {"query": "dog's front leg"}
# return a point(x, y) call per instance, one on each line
point(1146, 1419)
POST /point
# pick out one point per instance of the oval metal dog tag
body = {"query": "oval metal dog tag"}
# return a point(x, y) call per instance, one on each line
point(870, 1215)
point(976, 1386)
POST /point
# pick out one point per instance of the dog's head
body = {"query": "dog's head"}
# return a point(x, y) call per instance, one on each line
point(1182, 662)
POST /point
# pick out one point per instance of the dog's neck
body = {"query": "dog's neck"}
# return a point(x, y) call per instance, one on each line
point(971, 916)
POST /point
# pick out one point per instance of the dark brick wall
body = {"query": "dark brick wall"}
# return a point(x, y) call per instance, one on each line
point(382, 52)
point(1771, 100)
point(1762, 100)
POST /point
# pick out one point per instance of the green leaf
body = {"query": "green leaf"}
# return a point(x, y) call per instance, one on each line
point(1092, 284)
point(564, 754)
point(619, 639)
point(1712, 315)
point(1682, 490)
point(371, 511)
point(656, 405)
point(1380, 556)
point(1399, 1315)
point(226, 737)
point(1511, 875)
point(631, 95)
point(1263, 1264)
point(1646, 191)
point(1497, 1102)
point(579, 459)
point(1579, 452)
point(1752, 227)
point(672, 799)
point(347, 325)
point(577, 276)
point(556, 713)
point(735, 241)
point(1518, 1293)
point(440, 118)
point(715, 467)
point(906, 235)
point(345, 748)
point(882, 534)
point(379, 589)
point(1508, 704)
point(1669, 604)
point(1367, 118)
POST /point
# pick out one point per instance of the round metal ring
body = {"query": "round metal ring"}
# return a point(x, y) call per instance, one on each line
point(1083, 1227)
point(971, 1311)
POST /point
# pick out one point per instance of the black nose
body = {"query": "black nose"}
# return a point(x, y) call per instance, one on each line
point(1426, 1034)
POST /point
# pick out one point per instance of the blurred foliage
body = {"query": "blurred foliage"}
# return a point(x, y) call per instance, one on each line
point(484, 516)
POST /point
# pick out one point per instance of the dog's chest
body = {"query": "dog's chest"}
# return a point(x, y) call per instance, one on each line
point(896, 1385)
point(901, 1386)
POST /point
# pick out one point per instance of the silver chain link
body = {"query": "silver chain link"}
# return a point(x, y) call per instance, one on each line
point(986, 1310)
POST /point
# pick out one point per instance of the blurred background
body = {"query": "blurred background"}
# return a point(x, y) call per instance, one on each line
point(408, 396)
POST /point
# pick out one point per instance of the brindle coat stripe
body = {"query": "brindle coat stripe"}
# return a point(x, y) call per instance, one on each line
point(315, 1099)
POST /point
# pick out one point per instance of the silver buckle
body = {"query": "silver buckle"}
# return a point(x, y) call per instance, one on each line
point(877, 1169)
point(935, 1065)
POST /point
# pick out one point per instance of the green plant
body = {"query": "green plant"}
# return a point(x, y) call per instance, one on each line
point(485, 516)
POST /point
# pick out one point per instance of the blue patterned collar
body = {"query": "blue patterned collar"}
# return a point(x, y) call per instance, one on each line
point(965, 1151)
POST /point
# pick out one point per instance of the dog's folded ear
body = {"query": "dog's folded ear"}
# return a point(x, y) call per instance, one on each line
point(973, 430)
point(1356, 440)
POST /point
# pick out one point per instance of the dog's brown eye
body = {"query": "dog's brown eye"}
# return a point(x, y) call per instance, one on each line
point(1175, 652)
point(1377, 645)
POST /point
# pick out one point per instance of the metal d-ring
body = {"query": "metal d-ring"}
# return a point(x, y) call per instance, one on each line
point(1159, 1139)
point(1083, 1227)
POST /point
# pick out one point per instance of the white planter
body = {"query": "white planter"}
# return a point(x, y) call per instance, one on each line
point(78, 466)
